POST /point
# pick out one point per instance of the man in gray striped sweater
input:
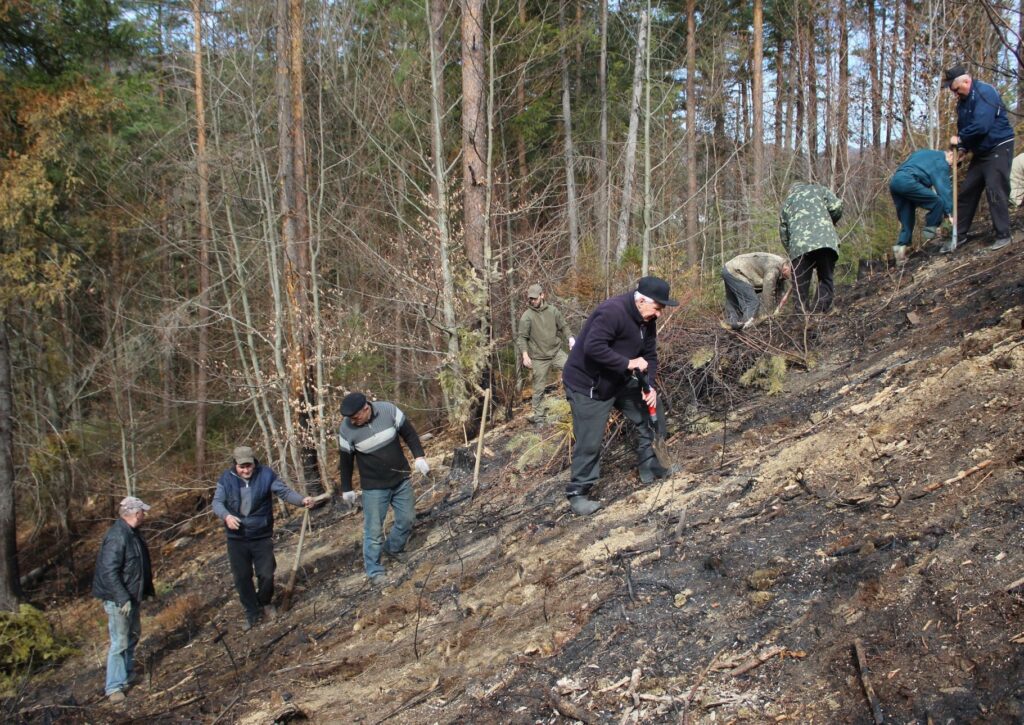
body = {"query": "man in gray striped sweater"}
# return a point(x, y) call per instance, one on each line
point(368, 436)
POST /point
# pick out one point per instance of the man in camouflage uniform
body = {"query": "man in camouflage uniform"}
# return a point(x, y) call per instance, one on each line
point(541, 334)
point(807, 228)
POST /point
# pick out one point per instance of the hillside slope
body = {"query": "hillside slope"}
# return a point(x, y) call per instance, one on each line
point(734, 591)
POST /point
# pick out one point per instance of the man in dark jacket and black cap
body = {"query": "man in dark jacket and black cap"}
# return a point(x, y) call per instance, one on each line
point(242, 501)
point(123, 578)
point(368, 439)
point(983, 128)
point(618, 338)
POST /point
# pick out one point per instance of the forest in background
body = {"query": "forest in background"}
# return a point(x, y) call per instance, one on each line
point(217, 217)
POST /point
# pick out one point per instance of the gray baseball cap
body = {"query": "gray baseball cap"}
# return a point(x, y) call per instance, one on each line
point(244, 454)
point(131, 503)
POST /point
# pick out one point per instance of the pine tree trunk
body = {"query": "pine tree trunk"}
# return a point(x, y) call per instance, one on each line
point(474, 133)
point(603, 196)
point(876, 79)
point(203, 313)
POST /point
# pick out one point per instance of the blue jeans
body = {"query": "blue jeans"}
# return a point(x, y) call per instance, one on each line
point(375, 508)
point(124, 635)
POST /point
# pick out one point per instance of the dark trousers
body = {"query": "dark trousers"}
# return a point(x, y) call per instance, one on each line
point(246, 559)
point(989, 172)
point(824, 262)
point(589, 419)
point(908, 194)
point(741, 299)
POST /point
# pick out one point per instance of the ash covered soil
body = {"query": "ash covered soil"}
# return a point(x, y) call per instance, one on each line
point(874, 506)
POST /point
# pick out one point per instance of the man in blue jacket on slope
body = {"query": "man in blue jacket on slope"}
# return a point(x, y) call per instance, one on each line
point(242, 501)
point(983, 129)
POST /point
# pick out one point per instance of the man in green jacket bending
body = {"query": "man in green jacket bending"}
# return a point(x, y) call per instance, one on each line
point(542, 332)
point(808, 232)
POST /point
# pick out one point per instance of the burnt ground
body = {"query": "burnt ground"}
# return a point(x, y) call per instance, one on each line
point(826, 517)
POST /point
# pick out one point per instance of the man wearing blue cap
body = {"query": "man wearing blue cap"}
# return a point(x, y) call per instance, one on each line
point(618, 338)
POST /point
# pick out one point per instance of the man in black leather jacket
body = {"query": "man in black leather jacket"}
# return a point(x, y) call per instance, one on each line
point(123, 578)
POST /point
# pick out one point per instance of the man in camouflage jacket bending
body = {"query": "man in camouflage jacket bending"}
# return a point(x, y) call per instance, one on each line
point(807, 228)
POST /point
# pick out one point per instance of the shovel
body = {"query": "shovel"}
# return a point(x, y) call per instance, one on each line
point(656, 422)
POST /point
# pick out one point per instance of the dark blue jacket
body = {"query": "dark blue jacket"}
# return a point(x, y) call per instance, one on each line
point(930, 169)
point(614, 334)
point(981, 121)
point(227, 499)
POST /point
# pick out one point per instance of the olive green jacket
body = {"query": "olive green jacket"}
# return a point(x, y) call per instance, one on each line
point(542, 332)
point(808, 218)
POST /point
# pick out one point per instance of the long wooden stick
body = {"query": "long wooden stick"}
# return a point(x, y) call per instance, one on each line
point(958, 477)
point(480, 440)
point(956, 165)
point(862, 665)
point(286, 598)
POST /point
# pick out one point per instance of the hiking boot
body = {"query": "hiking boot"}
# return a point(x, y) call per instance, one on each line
point(999, 244)
point(929, 233)
point(400, 556)
point(948, 247)
point(583, 506)
point(251, 620)
point(116, 697)
point(899, 253)
point(379, 581)
point(270, 611)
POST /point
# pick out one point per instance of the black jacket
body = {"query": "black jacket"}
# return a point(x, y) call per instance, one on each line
point(614, 334)
point(123, 569)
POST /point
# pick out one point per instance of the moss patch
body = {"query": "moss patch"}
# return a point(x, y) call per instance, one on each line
point(768, 373)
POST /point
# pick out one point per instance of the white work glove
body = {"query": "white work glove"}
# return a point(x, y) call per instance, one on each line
point(126, 609)
point(349, 497)
point(572, 342)
point(422, 466)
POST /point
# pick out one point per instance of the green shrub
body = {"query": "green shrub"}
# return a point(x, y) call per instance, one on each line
point(27, 642)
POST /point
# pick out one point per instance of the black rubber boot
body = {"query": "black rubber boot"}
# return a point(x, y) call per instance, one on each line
point(583, 506)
